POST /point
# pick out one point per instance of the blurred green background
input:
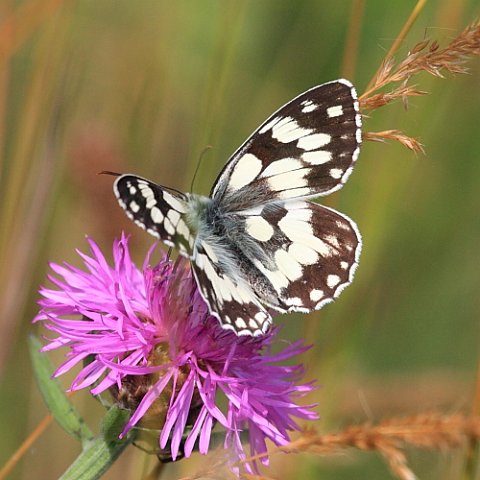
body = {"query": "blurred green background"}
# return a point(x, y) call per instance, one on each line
point(144, 86)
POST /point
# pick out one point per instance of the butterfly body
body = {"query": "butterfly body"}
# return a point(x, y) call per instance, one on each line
point(257, 243)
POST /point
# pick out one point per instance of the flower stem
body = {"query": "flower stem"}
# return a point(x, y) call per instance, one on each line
point(99, 454)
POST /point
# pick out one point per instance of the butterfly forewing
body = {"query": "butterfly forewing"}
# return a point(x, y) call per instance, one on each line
point(307, 148)
point(158, 211)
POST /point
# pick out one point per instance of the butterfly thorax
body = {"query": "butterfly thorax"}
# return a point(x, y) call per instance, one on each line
point(217, 227)
point(208, 224)
point(200, 211)
point(211, 226)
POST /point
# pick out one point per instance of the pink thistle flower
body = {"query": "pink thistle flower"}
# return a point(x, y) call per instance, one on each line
point(148, 339)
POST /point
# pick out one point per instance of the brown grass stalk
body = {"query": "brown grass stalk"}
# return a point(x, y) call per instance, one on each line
point(425, 56)
point(432, 431)
point(396, 135)
point(352, 40)
point(401, 36)
point(25, 447)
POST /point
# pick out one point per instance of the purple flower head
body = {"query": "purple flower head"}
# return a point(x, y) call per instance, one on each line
point(148, 339)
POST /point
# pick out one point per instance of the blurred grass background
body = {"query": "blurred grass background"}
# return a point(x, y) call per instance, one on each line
point(144, 87)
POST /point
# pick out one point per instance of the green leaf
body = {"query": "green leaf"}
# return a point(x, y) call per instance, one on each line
point(57, 402)
point(98, 456)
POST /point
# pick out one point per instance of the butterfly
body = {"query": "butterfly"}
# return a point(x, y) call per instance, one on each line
point(257, 244)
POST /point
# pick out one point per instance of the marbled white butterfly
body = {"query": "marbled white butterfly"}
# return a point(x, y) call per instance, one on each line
point(256, 244)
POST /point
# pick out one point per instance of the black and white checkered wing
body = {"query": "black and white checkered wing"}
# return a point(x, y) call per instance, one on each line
point(288, 256)
point(231, 299)
point(158, 211)
point(307, 253)
point(307, 148)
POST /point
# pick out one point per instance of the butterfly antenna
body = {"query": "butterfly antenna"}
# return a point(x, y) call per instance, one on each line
point(108, 172)
point(204, 151)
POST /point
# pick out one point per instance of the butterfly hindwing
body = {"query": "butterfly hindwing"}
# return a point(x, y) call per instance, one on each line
point(289, 256)
point(309, 253)
point(307, 148)
point(156, 210)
